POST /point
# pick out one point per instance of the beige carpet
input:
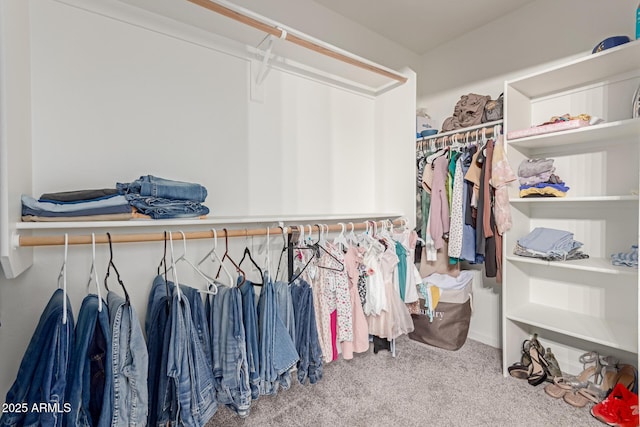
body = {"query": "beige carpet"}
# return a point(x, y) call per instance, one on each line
point(423, 386)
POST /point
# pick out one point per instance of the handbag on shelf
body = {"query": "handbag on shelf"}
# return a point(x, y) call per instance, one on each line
point(493, 109)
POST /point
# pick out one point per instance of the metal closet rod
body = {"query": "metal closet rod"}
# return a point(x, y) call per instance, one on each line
point(460, 137)
point(273, 30)
point(26, 241)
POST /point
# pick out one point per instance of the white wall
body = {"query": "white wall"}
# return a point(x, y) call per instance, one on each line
point(121, 93)
point(533, 37)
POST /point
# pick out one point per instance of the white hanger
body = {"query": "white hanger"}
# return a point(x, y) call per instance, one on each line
point(63, 276)
point(351, 237)
point(174, 270)
point(340, 239)
point(214, 257)
point(93, 273)
point(212, 288)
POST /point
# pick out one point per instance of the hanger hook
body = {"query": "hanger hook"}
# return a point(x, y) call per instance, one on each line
point(215, 238)
point(184, 244)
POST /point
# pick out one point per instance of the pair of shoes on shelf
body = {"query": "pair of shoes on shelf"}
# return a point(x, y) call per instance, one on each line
point(619, 408)
point(536, 365)
point(624, 375)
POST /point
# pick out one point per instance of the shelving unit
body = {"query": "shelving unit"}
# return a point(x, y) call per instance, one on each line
point(590, 304)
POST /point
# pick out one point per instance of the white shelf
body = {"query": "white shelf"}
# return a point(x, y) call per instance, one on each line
point(195, 222)
point(580, 72)
point(595, 265)
point(579, 201)
point(618, 335)
point(603, 132)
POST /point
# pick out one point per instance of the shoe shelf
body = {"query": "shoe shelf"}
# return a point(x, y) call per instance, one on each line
point(595, 265)
point(614, 334)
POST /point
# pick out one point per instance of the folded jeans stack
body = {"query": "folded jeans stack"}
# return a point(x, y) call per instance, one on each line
point(162, 198)
point(550, 245)
point(537, 179)
point(79, 205)
point(628, 259)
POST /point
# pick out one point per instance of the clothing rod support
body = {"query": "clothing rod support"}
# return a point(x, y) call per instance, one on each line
point(29, 241)
point(278, 32)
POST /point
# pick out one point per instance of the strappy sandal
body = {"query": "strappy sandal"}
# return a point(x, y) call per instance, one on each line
point(538, 369)
point(565, 384)
point(626, 375)
point(521, 369)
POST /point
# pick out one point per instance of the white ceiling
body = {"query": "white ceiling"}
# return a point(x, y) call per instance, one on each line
point(421, 25)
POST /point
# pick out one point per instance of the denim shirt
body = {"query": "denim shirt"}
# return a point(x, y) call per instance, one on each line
point(90, 373)
point(42, 377)
point(130, 364)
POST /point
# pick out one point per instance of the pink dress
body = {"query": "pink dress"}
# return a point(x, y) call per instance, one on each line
point(360, 342)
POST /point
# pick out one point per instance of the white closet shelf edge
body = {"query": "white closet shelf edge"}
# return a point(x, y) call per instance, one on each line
point(221, 220)
point(595, 265)
point(608, 332)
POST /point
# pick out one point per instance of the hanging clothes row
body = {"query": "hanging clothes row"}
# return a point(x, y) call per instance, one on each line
point(464, 204)
point(222, 344)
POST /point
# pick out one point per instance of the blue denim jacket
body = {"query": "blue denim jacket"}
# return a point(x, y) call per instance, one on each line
point(130, 364)
point(42, 377)
point(153, 186)
point(90, 373)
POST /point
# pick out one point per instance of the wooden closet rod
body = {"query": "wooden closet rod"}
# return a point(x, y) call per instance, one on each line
point(273, 30)
point(189, 235)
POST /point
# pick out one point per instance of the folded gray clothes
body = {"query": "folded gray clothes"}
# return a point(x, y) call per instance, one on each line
point(545, 240)
point(537, 179)
point(569, 256)
point(78, 195)
point(533, 167)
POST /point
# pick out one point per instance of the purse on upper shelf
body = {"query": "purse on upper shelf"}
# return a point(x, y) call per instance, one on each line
point(493, 109)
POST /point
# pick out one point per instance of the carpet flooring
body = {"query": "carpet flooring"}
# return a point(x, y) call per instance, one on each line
point(421, 386)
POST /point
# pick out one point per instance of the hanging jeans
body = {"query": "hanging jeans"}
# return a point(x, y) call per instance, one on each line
point(90, 372)
point(277, 352)
point(42, 377)
point(284, 306)
point(130, 364)
point(230, 371)
point(307, 344)
point(199, 318)
point(163, 403)
point(250, 321)
point(189, 368)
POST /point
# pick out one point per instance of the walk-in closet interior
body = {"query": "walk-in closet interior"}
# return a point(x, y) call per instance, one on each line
point(269, 154)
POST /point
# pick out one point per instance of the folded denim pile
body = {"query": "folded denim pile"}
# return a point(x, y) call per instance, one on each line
point(549, 244)
point(161, 198)
point(82, 205)
point(628, 259)
point(537, 179)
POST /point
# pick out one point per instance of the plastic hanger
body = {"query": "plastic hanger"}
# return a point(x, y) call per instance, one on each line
point(173, 269)
point(285, 247)
point(93, 273)
point(112, 265)
point(351, 237)
point(226, 256)
point(214, 257)
point(246, 253)
point(63, 277)
point(212, 288)
point(340, 239)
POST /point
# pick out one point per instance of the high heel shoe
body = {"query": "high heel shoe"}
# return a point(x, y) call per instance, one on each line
point(538, 368)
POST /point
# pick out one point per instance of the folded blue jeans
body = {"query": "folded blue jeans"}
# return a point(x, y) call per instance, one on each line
point(153, 186)
point(158, 208)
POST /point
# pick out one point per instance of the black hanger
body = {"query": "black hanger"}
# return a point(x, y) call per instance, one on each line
point(226, 255)
point(109, 266)
point(248, 252)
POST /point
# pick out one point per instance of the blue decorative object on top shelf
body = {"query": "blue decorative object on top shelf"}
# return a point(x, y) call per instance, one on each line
point(428, 132)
